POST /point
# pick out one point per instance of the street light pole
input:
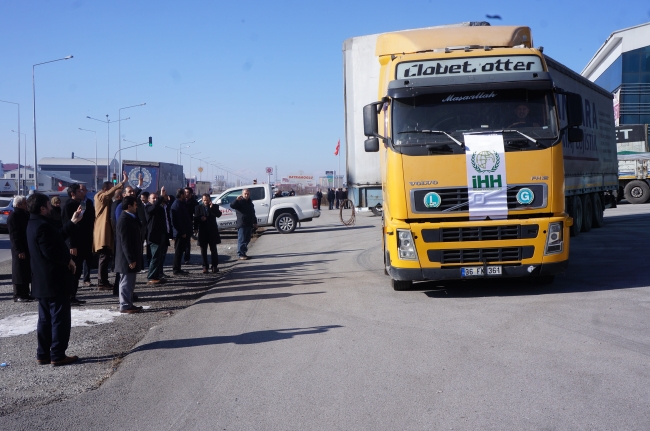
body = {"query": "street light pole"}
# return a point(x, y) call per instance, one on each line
point(119, 128)
point(96, 173)
point(193, 154)
point(108, 141)
point(34, 104)
point(18, 105)
point(180, 158)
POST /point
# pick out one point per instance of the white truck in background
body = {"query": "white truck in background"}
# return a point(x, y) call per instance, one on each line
point(284, 213)
point(633, 162)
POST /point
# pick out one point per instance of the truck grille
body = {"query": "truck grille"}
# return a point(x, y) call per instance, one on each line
point(480, 233)
point(480, 255)
point(455, 199)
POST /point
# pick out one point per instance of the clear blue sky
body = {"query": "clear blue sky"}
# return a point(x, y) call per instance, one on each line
point(254, 83)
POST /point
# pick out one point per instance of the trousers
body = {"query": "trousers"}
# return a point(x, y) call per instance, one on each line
point(127, 285)
point(53, 327)
point(243, 238)
point(180, 244)
point(21, 290)
point(102, 268)
point(158, 254)
point(213, 253)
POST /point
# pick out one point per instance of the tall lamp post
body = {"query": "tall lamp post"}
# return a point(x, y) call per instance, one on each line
point(18, 105)
point(119, 127)
point(24, 180)
point(96, 173)
point(193, 154)
point(178, 150)
point(108, 140)
point(136, 148)
point(34, 104)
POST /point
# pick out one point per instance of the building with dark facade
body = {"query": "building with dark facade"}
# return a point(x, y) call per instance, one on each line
point(81, 169)
point(622, 66)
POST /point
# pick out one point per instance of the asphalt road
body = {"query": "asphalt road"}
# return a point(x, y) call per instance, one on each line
point(309, 335)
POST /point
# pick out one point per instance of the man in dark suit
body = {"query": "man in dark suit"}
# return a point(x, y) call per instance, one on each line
point(21, 272)
point(142, 216)
point(158, 234)
point(80, 241)
point(89, 219)
point(53, 271)
point(246, 221)
point(191, 203)
point(330, 198)
point(182, 229)
point(128, 253)
point(205, 218)
point(319, 197)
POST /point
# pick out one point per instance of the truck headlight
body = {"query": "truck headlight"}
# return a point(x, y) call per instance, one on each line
point(405, 245)
point(554, 241)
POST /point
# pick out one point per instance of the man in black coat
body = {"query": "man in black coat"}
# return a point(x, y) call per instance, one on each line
point(80, 242)
point(330, 198)
point(338, 196)
point(319, 197)
point(21, 273)
point(89, 219)
point(246, 221)
point(205, 218)
point(158, 234)
point(128, 253)
point(53, 271)
point(142, 216)
point(191, 203)
point(182, 229)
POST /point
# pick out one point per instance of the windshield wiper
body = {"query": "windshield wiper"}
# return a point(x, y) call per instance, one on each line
point(432, 132)
point(483, 132)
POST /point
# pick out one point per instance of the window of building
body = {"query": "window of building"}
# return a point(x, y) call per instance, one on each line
point(13, 175)
point(31, 176)
point(612, 77)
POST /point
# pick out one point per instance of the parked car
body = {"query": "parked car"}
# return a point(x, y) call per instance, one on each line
point(283, 213)
point(6, 208)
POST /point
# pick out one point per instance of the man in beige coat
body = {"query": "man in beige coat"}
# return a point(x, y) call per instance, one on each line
point(103, 235)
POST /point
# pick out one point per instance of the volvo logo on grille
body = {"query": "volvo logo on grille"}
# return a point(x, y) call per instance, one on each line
point(423, 183)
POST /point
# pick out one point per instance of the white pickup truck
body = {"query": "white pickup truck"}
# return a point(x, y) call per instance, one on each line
point(283, 212)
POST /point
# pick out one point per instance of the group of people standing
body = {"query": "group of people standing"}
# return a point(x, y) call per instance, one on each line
point(336, 196)
point(52, 247)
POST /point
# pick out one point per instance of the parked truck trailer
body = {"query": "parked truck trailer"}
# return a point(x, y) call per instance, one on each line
point(155, 175)
point(490, 154)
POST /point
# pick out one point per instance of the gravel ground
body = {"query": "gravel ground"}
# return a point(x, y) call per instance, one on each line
point(25, 385)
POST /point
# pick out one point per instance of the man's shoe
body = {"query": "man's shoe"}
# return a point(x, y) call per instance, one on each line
point(215, 269)
point(187, 262)
point(243, 257)
point(21, 299)
point(66, 361)
point(181, 272)
point(205, 270)
point(75, 301)
point(102, 286)
point(131, 310)
point(43, 361)
point(154, 281)
point(87, 283)
point(163, 276)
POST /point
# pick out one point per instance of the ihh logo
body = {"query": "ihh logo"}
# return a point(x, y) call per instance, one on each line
point(486, 181)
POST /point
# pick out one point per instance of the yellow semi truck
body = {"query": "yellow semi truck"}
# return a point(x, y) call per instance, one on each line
point(490, 154)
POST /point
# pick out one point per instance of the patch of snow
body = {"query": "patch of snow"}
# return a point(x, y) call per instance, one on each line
point(24, 323)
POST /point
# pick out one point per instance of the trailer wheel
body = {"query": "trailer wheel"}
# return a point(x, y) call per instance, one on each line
point(377, 210)
point(285, 223)
point(599, 210)
point(576, 214)
point(587, 212)
point(637, 192)
point(401, 285)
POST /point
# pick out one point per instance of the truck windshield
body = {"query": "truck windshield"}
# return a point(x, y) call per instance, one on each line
point(437, 121)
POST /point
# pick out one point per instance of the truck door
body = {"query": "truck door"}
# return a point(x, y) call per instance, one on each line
point(228, 217)
point(258, 196)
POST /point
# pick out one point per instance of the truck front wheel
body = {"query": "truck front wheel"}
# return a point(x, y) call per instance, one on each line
point(285, 223)
point(576, 214)
point(637, 192)
point(401, 285)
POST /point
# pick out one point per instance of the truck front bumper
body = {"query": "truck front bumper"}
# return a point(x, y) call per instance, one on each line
point(528, 270)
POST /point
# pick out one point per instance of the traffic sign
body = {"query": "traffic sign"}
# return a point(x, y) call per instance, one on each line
point(269, 171)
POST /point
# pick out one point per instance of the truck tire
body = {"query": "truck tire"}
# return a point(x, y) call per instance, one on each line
point(637, 192)
point(599, 210)
point(401, 285)
point(576, 214)
point(587, 212)
point(285, 223)
point(377, 210)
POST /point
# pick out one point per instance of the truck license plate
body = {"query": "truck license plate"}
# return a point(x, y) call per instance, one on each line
point(475, 271)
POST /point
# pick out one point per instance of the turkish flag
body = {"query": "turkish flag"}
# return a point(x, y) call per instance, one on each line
point(61, 186)
point(338, 147)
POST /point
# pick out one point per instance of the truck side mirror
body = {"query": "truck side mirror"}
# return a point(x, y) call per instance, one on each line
point(371, 145)
point(574, 109)
point(575, 135)
point(370, 125)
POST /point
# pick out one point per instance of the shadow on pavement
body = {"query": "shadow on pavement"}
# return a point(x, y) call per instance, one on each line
point(318, 229)
point(254, 337)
